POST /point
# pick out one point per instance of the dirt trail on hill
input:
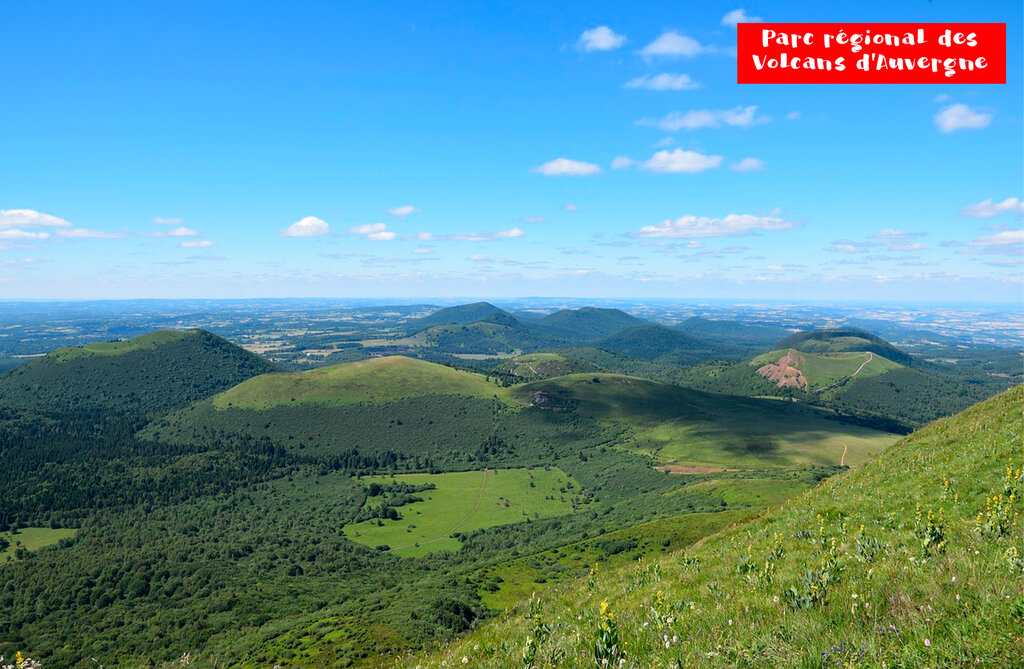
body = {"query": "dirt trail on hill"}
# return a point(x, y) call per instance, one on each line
point(871, 356)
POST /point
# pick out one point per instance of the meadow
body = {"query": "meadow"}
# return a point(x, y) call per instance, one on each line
point(30, 539)
point(463, 502)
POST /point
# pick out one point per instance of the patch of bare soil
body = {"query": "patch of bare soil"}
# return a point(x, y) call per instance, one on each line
point(784, 373)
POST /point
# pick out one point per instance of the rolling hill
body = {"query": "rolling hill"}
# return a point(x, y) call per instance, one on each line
point(460, 315)
point(911, 560)
point(536, 366)
point(656, 343)
point(842, 340)
point(498, 333)
point(731, 333)
point(588, 324)
point(850, 371)
point(153, 372)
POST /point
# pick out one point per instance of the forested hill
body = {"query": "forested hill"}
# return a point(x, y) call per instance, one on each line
point(153, 372)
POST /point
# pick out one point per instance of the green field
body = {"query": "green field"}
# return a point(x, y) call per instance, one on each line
point(465, 501)
point(31, 539)
point(536, 366)
point(376, 380)
point(825, 369)
point(678, 426)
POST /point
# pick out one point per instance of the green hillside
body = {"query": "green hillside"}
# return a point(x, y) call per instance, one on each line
point(149, 373)
point(732, 333)
point(377, 380)
point(679, 426)
point(841, 340)
point(820, 372)
point(460, 315)
point(588, 324)
point(496, 334)
point(536, 366)
point(912, 560)
point(659, 343)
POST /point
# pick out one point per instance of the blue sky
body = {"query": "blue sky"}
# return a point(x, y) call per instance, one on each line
point(597, 149)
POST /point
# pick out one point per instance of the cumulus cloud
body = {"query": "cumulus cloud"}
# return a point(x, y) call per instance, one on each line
point(960, 117)
point(845, 246)
point(565, 167)
point(159, 220)
point(989, 208)
point(748, 165)
point(403, 211)
point(732, 225)
point(205, 244)
point(672, 43)
point(739, 117)
point(622, 162)
point(484, 236)
point(681, 161)
point(601, 38)
point(375, 232)
point(29, 218)
point(310, 226)
point(890, 233)
point(666, 81)
point(1005, 238)
point(739, 16)
point(422, 250)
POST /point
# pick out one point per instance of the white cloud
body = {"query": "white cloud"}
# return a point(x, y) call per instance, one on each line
point(566, 167)
point(422, 250)
point(601, 38)
point(739, 16)
point(508, 234)
point(484, 236)
point(21, 261)
point(748, 165)
point(732, 225)
point(681, 161)
point(1005, 238)
point(424, 236)
point(84, 233)
point(671, 43)
point(159, 220)
point(205, 244)
point(959, 117)
point(622, 162)
point(534, 219)
point(793, 116)
point(663, 142)
point(29, 218)
point(740, 117)
point(15, 233)
point(310, 226)
point(988, 208)
point(182, 232)
point(942, 97)
point(403, 211)
point(569, 206)
point(665, 81)
point(375, 232)
point(890, 233)
point(845, 246)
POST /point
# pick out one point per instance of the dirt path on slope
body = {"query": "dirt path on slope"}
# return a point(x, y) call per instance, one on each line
point(871, 356)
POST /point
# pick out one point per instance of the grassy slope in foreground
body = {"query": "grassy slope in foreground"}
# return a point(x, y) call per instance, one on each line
point(904, 562)
point(376, 380)
point(693, 428)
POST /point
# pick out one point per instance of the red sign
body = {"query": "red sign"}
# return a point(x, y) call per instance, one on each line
point(871, 53)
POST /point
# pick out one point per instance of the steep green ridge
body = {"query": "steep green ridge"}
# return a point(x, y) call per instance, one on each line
point(912, 560)
point(377, 380)
point(498, 333)
point(841, 340)
point(588, 324)
point(680, 426)
point(823, 371)
point(156, 371)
